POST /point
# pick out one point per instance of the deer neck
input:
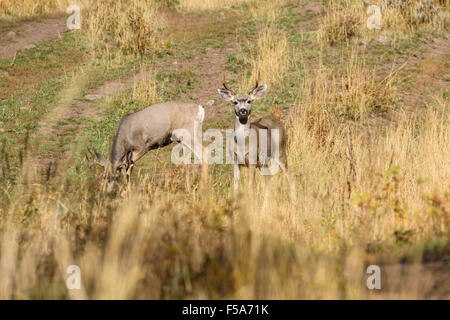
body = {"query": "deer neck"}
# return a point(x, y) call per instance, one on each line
point(242, 126)
point(117, 156)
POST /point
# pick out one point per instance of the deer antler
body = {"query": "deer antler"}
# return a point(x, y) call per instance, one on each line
point(95, 158)
point(224, 83)
point(257, 83)
point(94, 161)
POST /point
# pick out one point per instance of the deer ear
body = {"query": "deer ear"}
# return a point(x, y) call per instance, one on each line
point(258, 92)
point(225, 94)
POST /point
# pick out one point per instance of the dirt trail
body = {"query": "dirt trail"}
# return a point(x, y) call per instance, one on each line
point(63, 122)
point(29, 34)
point(208, 68)
point(59, 125)
point(308, 14)
point(426, 72)
point(422, 74)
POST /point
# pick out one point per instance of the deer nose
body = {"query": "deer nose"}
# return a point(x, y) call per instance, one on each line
point(243, 112)
point(110, 187)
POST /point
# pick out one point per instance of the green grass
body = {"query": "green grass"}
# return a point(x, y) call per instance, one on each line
point(47, 60)
point(7, 23)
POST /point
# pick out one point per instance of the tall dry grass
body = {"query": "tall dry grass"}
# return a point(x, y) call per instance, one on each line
point(384, 182)
point(403, 15)
point(399, 19)
point(195, 5)
point(342, 20)
point(170, 240)
point(131, 26)
point(270, 58)
point(145, 91)
point(27, 8)
point(351, 92)
point(266, 12)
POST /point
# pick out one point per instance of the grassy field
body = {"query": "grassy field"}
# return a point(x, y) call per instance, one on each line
point(368, 123)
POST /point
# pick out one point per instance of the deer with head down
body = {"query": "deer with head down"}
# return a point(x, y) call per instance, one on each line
point(138, 133)
point(253, 141)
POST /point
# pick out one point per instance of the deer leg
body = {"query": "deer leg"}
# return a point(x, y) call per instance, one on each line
point(237, 175)
point(251, 174)
point(137, 155)
point(129, 170)
point(132, 157)
point(130, 165)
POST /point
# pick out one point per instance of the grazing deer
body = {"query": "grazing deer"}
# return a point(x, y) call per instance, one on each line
point(142, 131)
point(266, 129)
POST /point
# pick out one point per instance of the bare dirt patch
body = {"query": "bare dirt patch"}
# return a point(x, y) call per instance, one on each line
point(115, 86)
point(425, 73)
point(63, 125)
point(28, 34)
point(314, 6)
point(308, 14)
point(208, 68)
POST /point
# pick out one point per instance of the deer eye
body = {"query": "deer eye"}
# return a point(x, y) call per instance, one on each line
point(235, 102)
point(249, 101)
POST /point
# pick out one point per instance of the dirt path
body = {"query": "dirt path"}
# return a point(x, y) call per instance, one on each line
point(426, 72)
point(29, 34)
point(421, 73)
point(63, 122)
point(208, 68)
point(308, 14)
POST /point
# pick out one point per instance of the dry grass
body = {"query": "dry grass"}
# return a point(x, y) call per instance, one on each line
point(345, 19)
point(145, 91)
point(264, 11)
point(270, 57)
point(351, 92)
point(363, 190)
point(195, 5)
point(400, 15)
point(342, 20)
point(173, 238)
point(133, 26)
point(27, 8)
point(267, 12)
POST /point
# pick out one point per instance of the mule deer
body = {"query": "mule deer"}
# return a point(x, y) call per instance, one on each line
point(266, 129)
point(147, 129)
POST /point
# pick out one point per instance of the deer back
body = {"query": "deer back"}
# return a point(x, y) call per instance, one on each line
point(152, 127)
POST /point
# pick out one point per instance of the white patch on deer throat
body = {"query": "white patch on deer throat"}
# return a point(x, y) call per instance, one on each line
point(241, 129)
point(201, 113)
